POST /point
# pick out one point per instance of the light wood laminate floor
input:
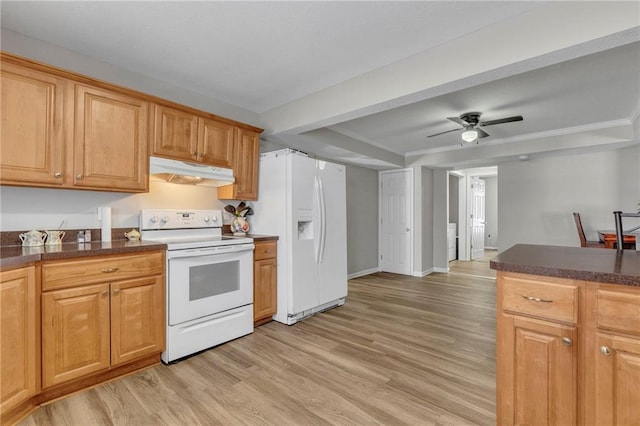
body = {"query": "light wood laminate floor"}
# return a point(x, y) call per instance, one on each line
point(402, 350)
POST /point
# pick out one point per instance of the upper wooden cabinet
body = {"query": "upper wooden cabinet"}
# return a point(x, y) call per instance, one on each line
point(246, 157)
point(58, 132)
point(32, 138)
point(215, 142)
point(175, 133)
point(64, 130)
point(110, 140)
point(182, 135)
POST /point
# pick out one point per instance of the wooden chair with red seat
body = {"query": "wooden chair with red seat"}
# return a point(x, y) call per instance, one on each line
point(583, 239)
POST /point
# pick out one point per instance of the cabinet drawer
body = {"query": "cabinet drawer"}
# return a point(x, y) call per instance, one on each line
point(617, 310)
point(265, 250)
point(70, 273)
point(552, 299)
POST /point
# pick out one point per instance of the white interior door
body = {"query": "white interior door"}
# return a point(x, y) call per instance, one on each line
point(396, 203)
point(477, 218)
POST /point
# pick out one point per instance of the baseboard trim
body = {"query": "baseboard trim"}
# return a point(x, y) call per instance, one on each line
point(362, 273)
point(442, 270)
point(423, 273)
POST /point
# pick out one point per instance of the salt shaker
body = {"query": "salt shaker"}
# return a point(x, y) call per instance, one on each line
point(87, 236)
point(80, 237)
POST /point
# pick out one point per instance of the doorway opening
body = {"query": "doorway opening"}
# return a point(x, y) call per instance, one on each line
point(474, 194)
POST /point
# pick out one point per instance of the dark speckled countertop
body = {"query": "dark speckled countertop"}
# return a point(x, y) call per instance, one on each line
point(15, 256)
point(12, 256)
point(588, 264)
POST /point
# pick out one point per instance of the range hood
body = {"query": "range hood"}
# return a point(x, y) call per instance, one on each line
point(182, 172)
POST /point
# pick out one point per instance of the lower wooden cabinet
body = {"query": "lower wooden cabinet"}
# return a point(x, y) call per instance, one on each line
point(91, 328)
point(137, 319)
point(264, 281)
point(568, 352)
point(612, 383)
point(19, 363)
point(75, 333)
point(529, 396)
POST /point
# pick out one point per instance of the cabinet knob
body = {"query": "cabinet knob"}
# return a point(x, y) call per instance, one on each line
point(109, 270)
point(567, 341)
point(105, 293)
point(79, 177)
point(57, 175)
point(116, 291)
point(605, 350)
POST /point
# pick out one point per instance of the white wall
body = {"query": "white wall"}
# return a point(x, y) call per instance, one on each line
point(423, 221)
point(42, 208)
point(491, 212)
point(536, 198)
point(440, 220)
point(362, 220)
point(49, 54)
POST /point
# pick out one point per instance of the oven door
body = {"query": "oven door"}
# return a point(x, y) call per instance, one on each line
point(207, 281)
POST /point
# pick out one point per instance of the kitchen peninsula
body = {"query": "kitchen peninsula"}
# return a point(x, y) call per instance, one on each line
point(568, 335)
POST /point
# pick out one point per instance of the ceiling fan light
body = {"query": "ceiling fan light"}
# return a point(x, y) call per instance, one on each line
point(470, 135)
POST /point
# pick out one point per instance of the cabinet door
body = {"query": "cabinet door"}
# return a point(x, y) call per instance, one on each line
point(175, 133)
point(110, 141)
point(18, 368)
point(617, 380)
point(31, 138)
point(537, 377)
point(264, 289)
point(75, 333)
point(215, 142)
point(246, 156)
point(137, 318)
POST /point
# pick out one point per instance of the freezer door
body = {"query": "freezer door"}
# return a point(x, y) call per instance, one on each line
point(303, 286)
point(333, 237)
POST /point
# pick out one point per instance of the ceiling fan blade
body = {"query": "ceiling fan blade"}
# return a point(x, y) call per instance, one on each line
point(459, 121)
point(442, 133)
point(481, 133)
point(501, 120)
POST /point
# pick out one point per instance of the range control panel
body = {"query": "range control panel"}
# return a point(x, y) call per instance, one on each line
point(179, 219)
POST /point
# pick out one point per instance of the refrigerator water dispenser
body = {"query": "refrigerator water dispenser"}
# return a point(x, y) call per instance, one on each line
point(305, 224)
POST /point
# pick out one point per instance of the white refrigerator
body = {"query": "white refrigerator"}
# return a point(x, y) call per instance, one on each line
point(303, 202)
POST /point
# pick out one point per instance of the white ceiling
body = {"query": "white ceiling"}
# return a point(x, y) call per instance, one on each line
point(366, 82)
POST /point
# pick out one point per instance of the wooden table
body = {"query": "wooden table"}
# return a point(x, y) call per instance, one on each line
point(609, 238)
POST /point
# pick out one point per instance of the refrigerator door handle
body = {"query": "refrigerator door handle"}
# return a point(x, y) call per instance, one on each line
point(317, 237)
point(323, 221)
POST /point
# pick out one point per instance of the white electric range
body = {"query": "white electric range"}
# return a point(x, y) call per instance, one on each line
point(209, 283)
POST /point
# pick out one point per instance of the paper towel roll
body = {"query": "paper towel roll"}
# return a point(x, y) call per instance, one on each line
point(106, 223)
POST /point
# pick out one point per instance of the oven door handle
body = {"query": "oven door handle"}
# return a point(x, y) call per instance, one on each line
point(234, 248)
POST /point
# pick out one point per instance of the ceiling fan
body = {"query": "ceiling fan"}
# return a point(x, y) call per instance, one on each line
point(470, 122)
